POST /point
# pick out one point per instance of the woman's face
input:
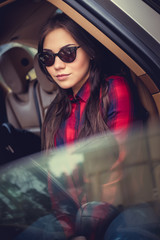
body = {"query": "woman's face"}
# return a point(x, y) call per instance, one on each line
point(67, 75)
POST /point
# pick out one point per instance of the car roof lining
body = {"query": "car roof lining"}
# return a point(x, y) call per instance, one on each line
point(20, 18)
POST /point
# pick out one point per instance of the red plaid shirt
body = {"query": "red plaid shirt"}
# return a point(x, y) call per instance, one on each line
point(120, 115)
point(120, 111)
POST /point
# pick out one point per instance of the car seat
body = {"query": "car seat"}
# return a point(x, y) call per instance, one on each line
point(20, 127)
point(26, 103)
point(20, 102)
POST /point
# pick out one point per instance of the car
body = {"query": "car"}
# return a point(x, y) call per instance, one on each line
point(123, 203)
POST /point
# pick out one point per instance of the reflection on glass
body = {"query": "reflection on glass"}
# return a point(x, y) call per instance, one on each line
point(97, 188)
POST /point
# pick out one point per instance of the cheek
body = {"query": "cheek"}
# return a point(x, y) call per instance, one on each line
point(82, 65)
point(51, 72)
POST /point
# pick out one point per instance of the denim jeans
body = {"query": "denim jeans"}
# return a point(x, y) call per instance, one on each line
point(135, 223)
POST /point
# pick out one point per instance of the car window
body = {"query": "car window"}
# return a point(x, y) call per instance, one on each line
point(155, 4)
point(129, 190)
point(139, 15)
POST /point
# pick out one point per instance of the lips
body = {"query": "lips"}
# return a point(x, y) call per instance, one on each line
point(62, 76)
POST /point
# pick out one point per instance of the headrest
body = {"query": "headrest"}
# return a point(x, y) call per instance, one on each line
point(45, 84)
point(15, 63)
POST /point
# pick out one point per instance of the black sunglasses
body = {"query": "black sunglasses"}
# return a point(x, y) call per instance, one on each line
point(66, 54)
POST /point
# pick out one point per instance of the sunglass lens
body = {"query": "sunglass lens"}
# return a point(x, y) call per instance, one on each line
point(47, 59)
point(67, 54)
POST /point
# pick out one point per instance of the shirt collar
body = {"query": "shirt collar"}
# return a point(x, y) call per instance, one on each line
point(83, 93)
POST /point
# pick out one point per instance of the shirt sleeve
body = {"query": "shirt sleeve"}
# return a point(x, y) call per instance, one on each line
point(120, 111)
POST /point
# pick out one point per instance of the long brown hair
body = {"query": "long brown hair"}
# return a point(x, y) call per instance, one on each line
point(60, 108)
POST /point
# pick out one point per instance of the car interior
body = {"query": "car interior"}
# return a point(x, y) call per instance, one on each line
point(27, 99)
point(26, 93)
point(25, 96)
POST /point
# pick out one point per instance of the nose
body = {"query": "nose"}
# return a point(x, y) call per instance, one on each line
point(58, 64)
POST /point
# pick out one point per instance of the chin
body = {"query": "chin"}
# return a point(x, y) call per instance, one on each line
point(65, 86)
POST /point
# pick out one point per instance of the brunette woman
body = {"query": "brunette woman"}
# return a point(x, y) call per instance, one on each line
point(88, 100)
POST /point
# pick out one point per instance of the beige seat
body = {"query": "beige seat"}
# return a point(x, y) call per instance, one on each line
point(20, 102)
point(27, 100)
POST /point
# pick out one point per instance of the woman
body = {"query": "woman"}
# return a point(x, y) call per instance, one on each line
point(88, 101)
